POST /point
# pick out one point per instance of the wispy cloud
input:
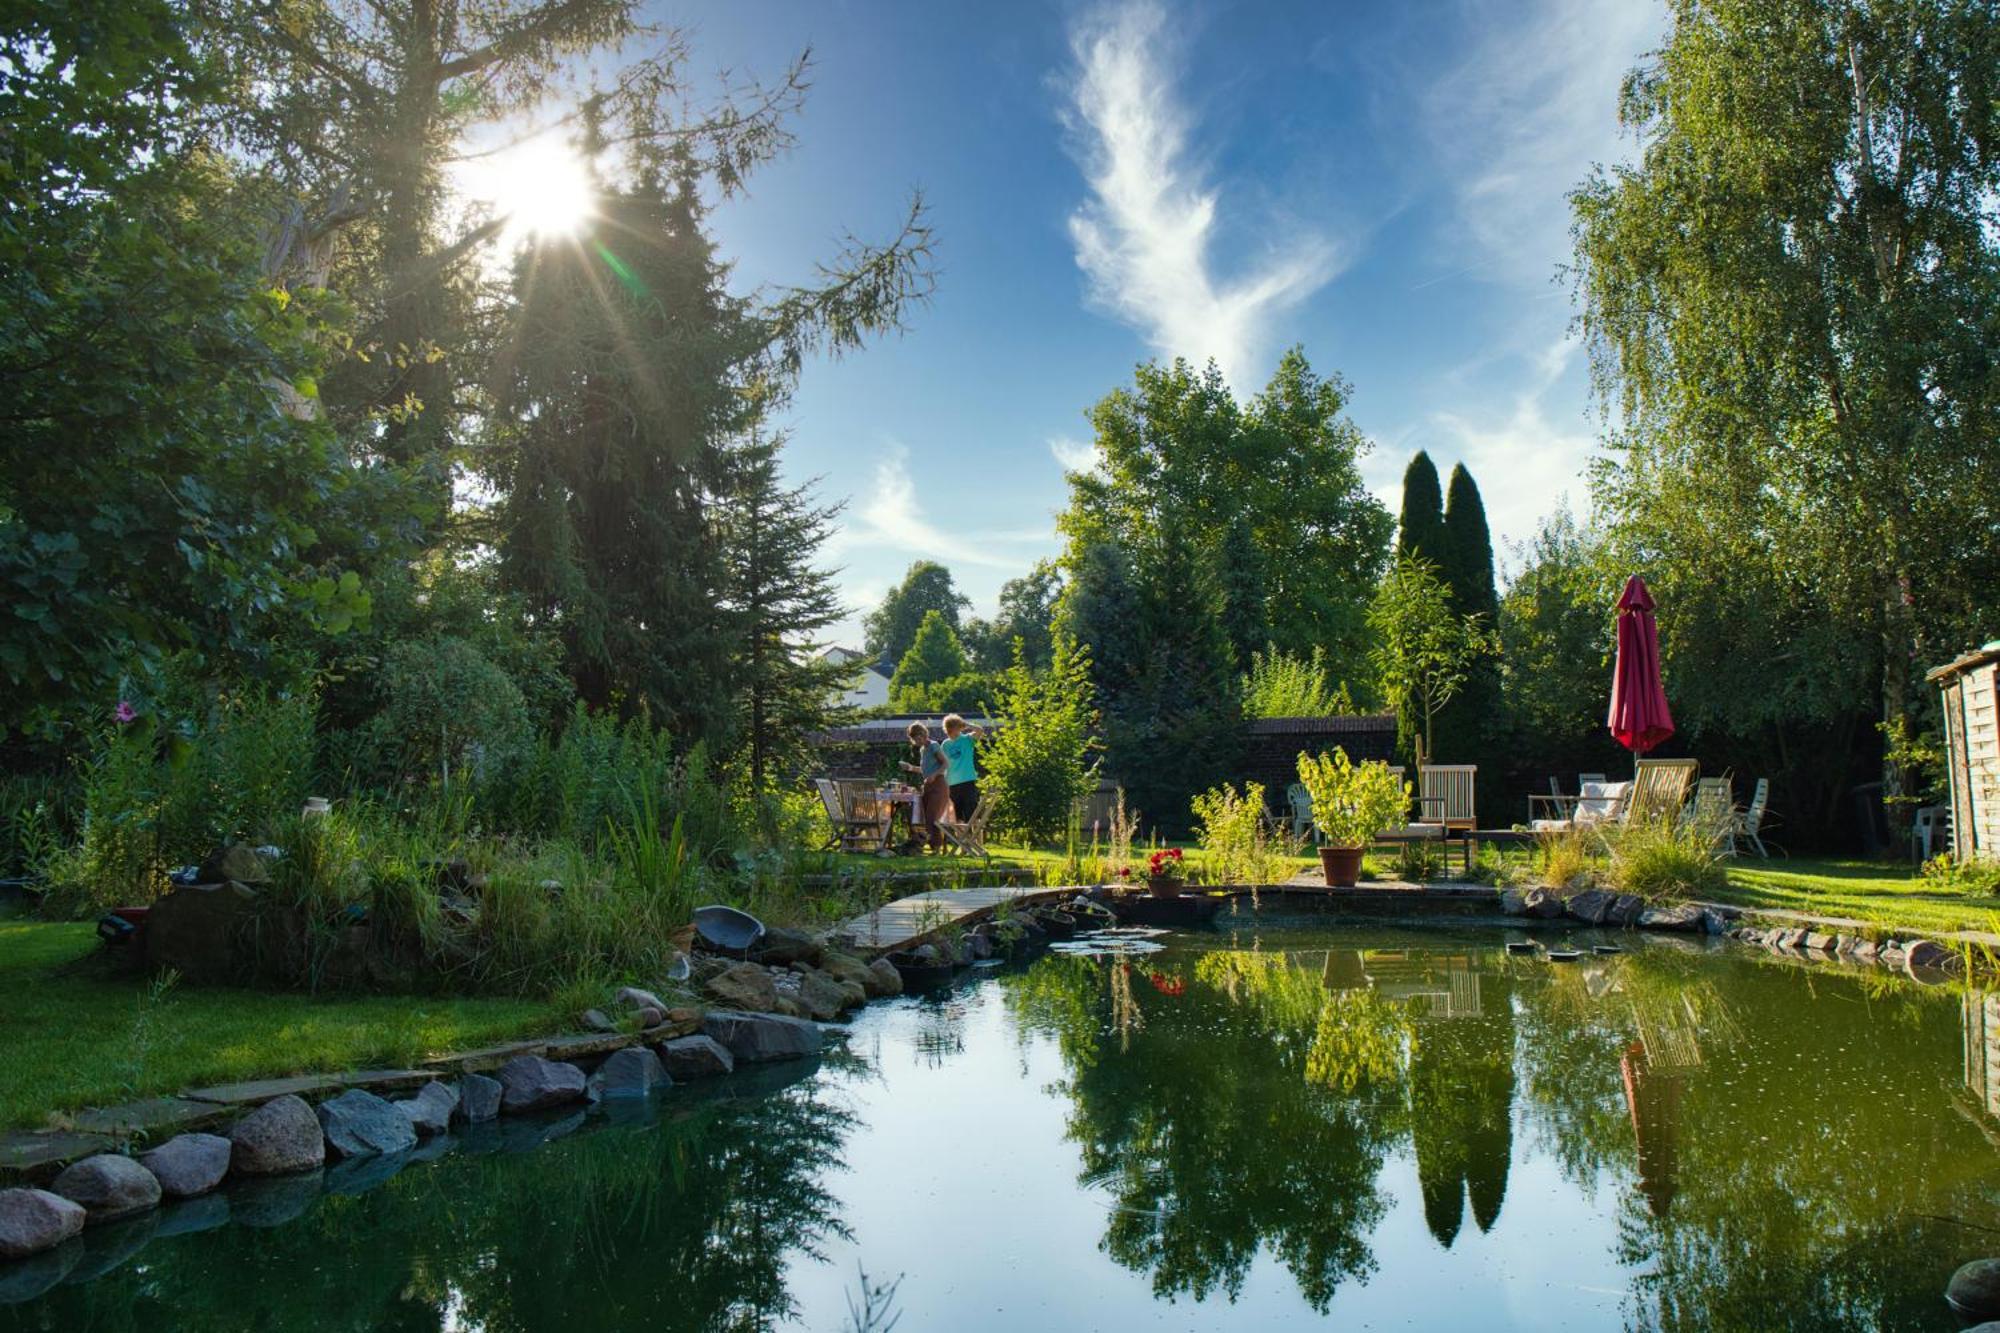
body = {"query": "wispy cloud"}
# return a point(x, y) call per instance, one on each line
point(1524, 456)
point(1073, 455)
point(1144, 239)
point(891, 515)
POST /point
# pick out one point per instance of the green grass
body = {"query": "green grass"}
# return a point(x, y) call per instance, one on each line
point(1892, 897)
point(78, 1036)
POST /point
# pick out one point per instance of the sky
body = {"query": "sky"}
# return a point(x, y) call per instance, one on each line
point(1381, 183)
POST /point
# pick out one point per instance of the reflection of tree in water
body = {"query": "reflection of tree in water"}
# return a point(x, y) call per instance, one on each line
point(681, 1224)
point(1461, 1089)
point(1206, 1098)
point(1786, 1155)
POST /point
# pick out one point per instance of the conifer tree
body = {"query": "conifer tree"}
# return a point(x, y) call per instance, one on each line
point(780, 599)
point(1420, 529)
point(935, 656)
point(1470, 721)
point(1099, 611)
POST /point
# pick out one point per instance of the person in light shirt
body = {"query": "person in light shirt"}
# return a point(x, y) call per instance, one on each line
point(961, 768)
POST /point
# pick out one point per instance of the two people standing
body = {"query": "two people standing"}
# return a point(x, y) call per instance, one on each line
point(948, 772)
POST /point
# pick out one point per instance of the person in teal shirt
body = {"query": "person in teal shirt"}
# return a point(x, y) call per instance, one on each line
point(961, 768)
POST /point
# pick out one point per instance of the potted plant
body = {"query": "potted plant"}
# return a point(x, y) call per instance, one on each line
point(1351, 803)
point(1166, 872)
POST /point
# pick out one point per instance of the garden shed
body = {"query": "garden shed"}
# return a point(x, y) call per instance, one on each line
point(1972, 739)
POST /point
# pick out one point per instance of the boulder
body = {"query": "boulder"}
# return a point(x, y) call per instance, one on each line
point(1817, 942)
point(632, 1072)
point(238, 861)
point(883, 978)
point(279, 1137)
point(1974, 1290)
point(109, 1186)
point(1514, 902)
point(781, 948)
point(697, 1056)
point(1927, 953)
point(1592, 905)
point(1673, 916)
point(1544, 904)
point(754, 1038)
point(478, 1099)
point(846, 968)
point(195, 930)
point(35, 1220)
point(189, 1164)
point(430, 1110)
point(1713, 922)
point(1865, 951)
point(357, 1123)
point(979, 942)
point(596, 1020)
point(745, 986)
point(1625, 910)
point(634, 997)
point(825, 999)
point(529, 1083)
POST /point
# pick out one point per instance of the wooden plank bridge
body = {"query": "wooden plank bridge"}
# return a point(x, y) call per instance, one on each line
point(908, 922)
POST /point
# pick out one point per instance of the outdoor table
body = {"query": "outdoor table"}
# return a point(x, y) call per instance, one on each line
point(904, 802)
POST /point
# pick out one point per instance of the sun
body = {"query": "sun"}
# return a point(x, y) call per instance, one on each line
point(539, 188)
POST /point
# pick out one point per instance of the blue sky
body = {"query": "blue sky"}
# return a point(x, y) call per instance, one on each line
point(1380, 182)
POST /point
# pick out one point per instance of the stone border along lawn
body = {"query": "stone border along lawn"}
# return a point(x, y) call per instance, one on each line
point(277, 1132)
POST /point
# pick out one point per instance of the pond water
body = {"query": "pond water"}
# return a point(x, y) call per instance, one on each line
point(1275, 1125)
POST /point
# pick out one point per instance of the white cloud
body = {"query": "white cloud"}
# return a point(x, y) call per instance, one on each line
point(1519, 122)
point(892, 515)
point(1073, 455)
point(1144, 238)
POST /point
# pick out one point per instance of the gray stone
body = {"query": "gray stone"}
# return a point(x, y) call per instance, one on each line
point(1818, 942)
point(883, 979)
point(1674, 916)
point(1714, 923)
point(478, 1099)
point(598, 1021)
point(109, 1186)
point(1974, 1290)
point(746, 986)
point(279, 1137)
point(649, 1017)
point(847, 969)
point(1927, 953)
point(189, 1164)
point(635, 997)
point(529, 1083)
point(29, 1154)
point(825, 999)
point(1514, 902)
point(238, 861)
point(1865, 951)
point(754, 1038)
point(632, 1072)
point(782, 947)
point(1544, 904)
point(262, 1090)
point(360, 1124)
point(429, 1111)
point(34, 1220)
point(697, 1056)
point(1592, 905)
point(151, 1118)
point(25, 1279)
point(979, 942)
point(1625, 910)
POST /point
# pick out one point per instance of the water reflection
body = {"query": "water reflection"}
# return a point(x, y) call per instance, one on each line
point(676, 1214)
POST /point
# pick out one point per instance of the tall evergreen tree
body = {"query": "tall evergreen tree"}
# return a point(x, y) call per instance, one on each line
point(780, 599)
point(892, 627)
point(1240, 577)
point(1470, 722)
point(1420, 529)
point(1099, 611)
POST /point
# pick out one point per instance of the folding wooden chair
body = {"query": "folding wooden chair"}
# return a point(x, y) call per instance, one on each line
point(854, 830)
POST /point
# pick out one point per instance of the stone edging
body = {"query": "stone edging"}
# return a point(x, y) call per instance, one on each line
point(277, 1132)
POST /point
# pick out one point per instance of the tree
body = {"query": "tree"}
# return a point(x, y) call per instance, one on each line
point(1039, 760)
point(892, 627)
point(780, 599)
point(1467, 569)
point(935, 656)
point(1424, 649)
point(1240, 578)
point(1788, 302)
point(1099, 612)
point(1556, 649)
point(158, 494)
point(1420, 529)
point(1027, 613)
point(1176, 450)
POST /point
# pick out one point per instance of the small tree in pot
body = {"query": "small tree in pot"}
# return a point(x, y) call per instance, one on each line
point(1351, 804)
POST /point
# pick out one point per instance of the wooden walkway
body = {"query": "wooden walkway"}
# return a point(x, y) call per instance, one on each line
point(911, 921)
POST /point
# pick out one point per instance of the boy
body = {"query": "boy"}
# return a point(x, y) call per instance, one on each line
point(961, 773)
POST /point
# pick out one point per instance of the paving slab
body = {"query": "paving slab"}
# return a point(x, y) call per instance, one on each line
point(388, 1080)
point(31, 1152)
point(488, 1057)
point(588, 1044)
point(154, 1116)
point(264, 1089)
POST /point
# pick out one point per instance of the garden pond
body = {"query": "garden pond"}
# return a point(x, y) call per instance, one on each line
point(1275, 1124)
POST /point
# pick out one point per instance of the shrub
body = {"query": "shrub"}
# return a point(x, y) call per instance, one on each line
point(1242, 845)
point(1979, 877)
point(1352, 802)
point(449, 712)
point(1569, 858)
point(1666, 860)
point(1281, 684)
point(1038, 761)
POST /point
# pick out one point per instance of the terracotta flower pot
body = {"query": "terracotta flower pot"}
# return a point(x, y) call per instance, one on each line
point(1164, 886)
point(1341, 866)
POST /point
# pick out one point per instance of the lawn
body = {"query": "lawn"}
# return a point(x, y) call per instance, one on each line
point(78, 1036)
point(1885, 895)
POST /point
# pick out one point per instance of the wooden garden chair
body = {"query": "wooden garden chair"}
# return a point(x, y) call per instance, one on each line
point(854, 830)
point(1714, 812)
point(1750, 823)
point(970, 836)
point(1446, 793)
point(1659, 789)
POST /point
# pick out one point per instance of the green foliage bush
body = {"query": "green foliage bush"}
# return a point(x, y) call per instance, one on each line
point(1666, 860)
point(1281, 684)
point(448, 713)
point(1038, 765)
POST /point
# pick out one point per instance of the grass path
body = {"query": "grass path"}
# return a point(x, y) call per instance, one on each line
point(1887, 896)
point(77, 1036)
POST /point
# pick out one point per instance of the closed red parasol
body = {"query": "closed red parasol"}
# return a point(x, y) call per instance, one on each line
point(1639, 718)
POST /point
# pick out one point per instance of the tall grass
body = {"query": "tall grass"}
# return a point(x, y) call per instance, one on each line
point(1667, 860)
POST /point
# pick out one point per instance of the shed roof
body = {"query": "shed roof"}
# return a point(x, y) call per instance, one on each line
point(1978, 657)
